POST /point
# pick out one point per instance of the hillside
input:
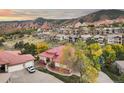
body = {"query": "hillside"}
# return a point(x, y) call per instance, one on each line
point(13, 26)
point(101, 15)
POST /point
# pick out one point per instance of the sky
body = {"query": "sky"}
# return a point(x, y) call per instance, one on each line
point(30, 14)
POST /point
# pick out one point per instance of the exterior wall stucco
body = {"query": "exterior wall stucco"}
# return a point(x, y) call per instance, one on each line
point(20, 66)
point(15, 68)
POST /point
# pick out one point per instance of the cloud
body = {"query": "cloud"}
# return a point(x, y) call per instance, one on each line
point(22, 14)
point(5, 12)
point(52, 13)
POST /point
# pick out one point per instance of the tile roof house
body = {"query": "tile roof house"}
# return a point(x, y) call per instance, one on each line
point(120, 66)
point(53, 55)
point(85, 37)
point(77, 25)
point(114, 39)
point(11, 61)
point(61, 37)
point(45, 26)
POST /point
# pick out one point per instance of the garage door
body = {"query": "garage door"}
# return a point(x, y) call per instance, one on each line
point(15, 68)
point(28, 64)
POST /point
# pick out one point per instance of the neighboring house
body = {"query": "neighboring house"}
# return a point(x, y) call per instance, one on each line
point(11, 61)
point(77, 25)
point(100, 39)
point(114, 39)
point(61, 37)
point(117, 30)
point(73, 38)
point(113, 30)
point(120, 66)
point(84, 24)
point(85, 37)
point(53, 55)
point(44, 35)
point(107, 31)
point(85, 30)
point(45, 26)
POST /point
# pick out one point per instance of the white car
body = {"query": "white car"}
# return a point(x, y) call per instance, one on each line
point(31, 69)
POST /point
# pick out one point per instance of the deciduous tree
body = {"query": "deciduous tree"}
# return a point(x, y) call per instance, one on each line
point(95, 51)
point(109, 55)
point(76, 60)
point(41, 47)
point(119, 49)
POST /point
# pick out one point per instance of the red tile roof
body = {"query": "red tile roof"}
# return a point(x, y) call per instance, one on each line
point(14, 57)
point(54, 53)
point(45, 26)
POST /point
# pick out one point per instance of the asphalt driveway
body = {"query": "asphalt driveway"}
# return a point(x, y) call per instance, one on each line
point(24, 76)
point(4, 77)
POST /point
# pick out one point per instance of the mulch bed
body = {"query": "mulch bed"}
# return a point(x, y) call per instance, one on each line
point(60, 70)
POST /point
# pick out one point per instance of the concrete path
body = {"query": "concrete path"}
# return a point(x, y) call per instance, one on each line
point(4, 77)
point(24, 76)
point(103, 78)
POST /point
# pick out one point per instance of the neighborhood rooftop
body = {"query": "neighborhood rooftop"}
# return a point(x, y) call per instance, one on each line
point(53, 53)
point(14, 57)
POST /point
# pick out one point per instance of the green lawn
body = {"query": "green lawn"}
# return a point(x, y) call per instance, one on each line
point(114, 76)
point(66, 79)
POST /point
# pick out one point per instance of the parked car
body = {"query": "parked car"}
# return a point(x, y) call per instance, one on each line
point(31, 69)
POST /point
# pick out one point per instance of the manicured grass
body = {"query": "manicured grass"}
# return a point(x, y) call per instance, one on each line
point(66, 79)
point(114, 76)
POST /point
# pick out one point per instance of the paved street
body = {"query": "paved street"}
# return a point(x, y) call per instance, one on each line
point(37, 77)
point(103, 78)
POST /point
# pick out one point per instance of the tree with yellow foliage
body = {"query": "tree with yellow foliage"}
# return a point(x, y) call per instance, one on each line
point(95, 52)
point(67, 56)
point(109, 54)
point(88, 73)
point(76, 60)
point(41, 47)
point(119, 49)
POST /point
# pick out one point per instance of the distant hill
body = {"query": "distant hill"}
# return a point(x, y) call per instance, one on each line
point(54, 21)
point(101, 15)
point(13, 26)
point(109, 14)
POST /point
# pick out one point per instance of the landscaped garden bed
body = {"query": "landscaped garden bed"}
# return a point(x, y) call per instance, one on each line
point(59, 70)
point(66, 79)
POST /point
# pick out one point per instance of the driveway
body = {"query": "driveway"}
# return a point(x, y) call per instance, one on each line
point(24, 76)
point(4, 77)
